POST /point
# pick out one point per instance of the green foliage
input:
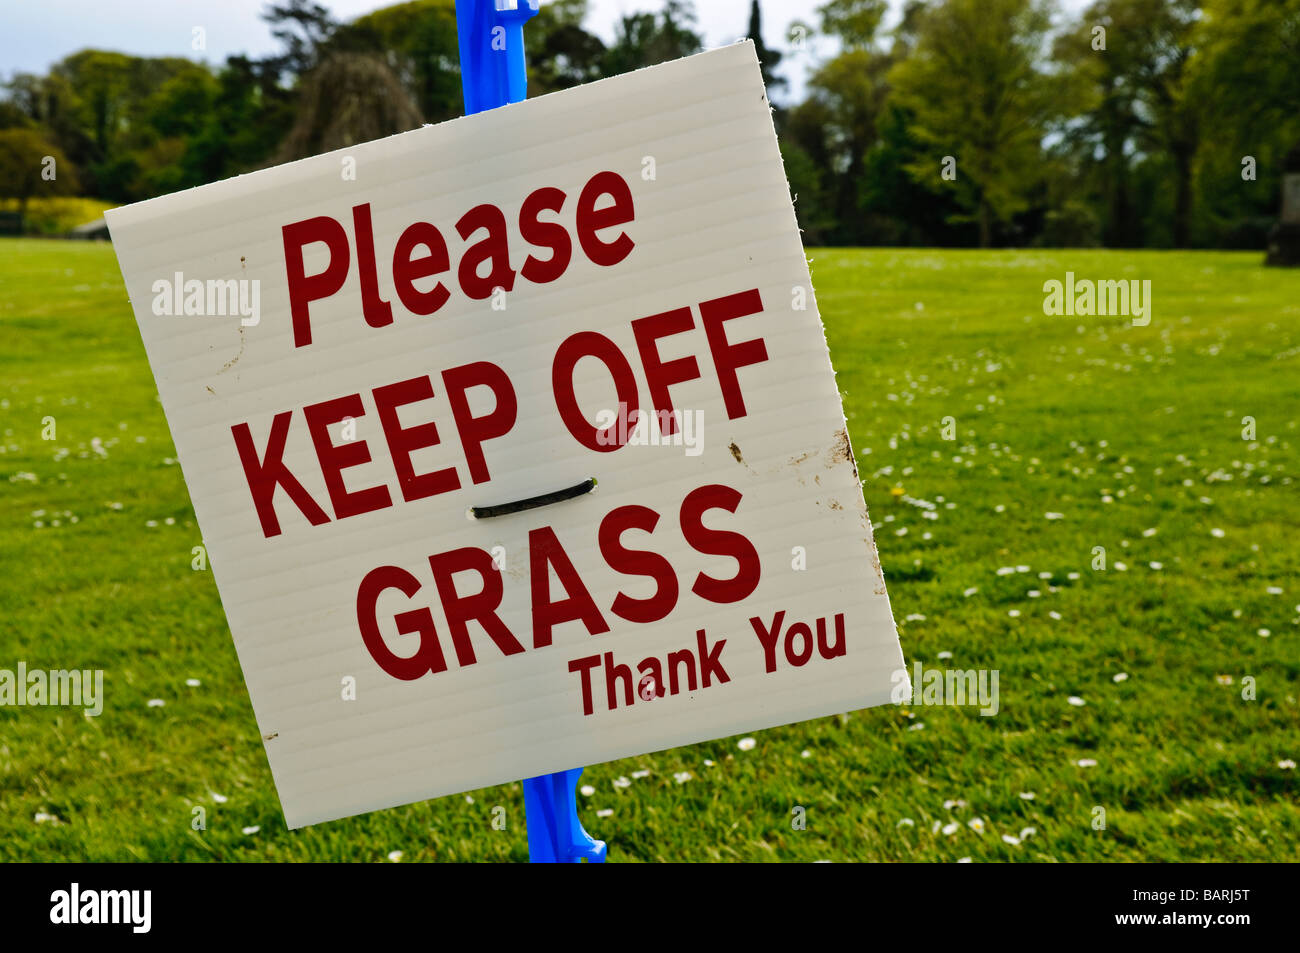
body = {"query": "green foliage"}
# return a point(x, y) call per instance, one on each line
point(1127, 124)
point(978, 90)
point(854, 22)
point(30, 165)
point(644, 39)
point(418, 40)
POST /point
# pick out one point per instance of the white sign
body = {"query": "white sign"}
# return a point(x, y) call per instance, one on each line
point(371, 359)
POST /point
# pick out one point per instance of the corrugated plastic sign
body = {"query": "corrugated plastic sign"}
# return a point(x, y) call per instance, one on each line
point(375, 362)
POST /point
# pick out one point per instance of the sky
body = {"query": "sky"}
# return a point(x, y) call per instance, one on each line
point(33, 35)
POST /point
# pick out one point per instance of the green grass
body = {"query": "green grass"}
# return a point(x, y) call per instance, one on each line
point(1052, 414)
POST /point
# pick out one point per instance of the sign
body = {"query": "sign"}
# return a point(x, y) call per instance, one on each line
point(373, 360)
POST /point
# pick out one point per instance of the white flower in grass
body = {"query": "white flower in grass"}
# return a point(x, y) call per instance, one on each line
point(681, 777)
point(1076, 701)
point(1027, 795)
point(1055, 615)
point(250, 831)
point(622, 782)
point(906, 822)
point(944, 655)
point(41, 817)
point(193, 682)
point(394, 856)
point(1286, 765)
point(1027, 832)
point(218, 798)
point(637, 775)
point(1055, 516)
point(805, 753)
point(1264, 633)
point(976, 824)
point(951, 828)
point(1010, 839)
point(605, 812)
point(970, 592)
point(1217, 533)
point(963, 860)
point(1119, 677)
point(1274, 590)
point(155, 703)
point(587, 790)
point(1157, 566)
point(746, 744)
point(1073, 575)
point(1014, 613)
point(1149, 532)
point(1086, 763)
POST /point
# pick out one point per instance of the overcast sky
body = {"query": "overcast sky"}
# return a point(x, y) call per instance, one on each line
point(36, 33)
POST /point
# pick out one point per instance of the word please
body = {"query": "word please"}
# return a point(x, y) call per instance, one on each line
point(420, 252)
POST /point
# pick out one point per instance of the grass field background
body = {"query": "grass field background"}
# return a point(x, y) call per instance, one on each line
point(1131, 437)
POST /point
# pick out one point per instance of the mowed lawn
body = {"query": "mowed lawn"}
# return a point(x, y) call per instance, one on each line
point(1120, 690)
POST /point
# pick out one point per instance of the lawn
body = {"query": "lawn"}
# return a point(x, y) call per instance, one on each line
point(1147, 710)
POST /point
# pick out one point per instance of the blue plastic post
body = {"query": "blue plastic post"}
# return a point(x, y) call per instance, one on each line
point(555, 835)
point(493, 69)
point(494, 72)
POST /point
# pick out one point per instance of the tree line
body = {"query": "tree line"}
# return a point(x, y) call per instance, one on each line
point(1138, 123)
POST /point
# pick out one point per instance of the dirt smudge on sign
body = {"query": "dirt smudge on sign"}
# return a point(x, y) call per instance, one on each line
point(842, 451)
point(235, 360)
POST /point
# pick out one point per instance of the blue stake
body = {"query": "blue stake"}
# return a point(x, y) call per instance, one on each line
point(494, 72)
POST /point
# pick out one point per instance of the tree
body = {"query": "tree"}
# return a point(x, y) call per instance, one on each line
point(348, 99)
point(417, 40)
point(561, 54)
point(768, 59)
point(1168, 110)
point(302, 26)
point(836, 125)
point(978, 90)
point(854, 22)
point(644, 39)
point(1245, 79)
point(1103, 134)
point(31, 165)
